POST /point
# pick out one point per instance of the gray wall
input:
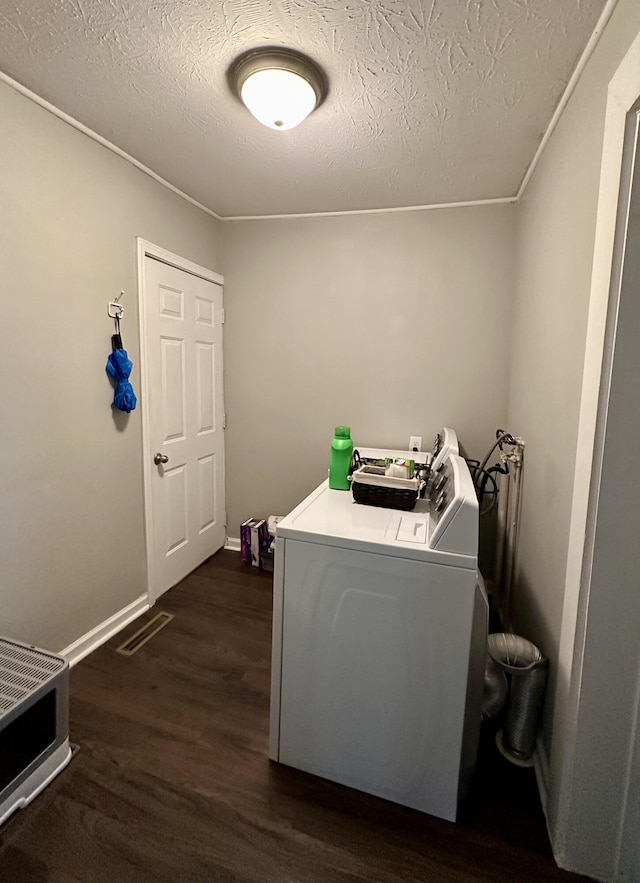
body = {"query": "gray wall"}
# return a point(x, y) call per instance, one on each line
point(556, 227)
point(394, 324)
point(72, 541)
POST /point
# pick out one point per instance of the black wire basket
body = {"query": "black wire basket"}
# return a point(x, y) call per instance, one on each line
point(369, 485)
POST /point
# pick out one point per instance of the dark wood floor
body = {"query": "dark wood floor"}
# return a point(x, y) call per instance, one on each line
point(172, 780)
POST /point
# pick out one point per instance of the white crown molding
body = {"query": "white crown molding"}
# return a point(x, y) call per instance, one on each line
point(503, 200)
point(13, 84)
point(568, 92)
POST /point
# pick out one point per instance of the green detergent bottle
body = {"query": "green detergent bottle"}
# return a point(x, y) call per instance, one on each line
point(340, 462)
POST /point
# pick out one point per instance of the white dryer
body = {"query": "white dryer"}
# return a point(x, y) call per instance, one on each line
point(379, 641)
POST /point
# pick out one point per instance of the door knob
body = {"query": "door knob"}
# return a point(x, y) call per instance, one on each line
point(160, 458)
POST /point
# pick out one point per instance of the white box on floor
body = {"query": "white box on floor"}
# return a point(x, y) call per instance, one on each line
point(34, 722)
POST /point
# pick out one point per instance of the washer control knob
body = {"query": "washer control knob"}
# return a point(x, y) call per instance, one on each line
point(441, 480)
point(441, 502)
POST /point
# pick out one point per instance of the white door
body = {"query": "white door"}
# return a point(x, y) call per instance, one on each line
point(184, 444)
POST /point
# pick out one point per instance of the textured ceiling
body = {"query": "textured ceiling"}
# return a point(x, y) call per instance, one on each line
point(431, 101)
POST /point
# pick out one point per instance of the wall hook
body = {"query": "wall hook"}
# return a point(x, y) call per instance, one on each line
point(115, 310)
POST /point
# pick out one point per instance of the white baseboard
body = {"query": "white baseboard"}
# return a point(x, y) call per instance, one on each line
point(541, 766)
point(107, 629)
point(233, 543)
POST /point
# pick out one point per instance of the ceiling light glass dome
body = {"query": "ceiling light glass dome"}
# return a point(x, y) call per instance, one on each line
point(279, 87)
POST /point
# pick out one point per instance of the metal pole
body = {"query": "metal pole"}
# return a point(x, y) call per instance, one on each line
point(501, 532)
point(515, 460)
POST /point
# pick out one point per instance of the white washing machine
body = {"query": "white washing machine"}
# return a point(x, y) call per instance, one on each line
point(379, 642)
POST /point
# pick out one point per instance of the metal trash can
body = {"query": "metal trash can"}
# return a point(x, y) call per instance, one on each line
point(526, 669)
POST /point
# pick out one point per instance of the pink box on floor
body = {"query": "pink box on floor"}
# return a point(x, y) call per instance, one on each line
point(245, 540)
point(267, 551)
point(253, 539)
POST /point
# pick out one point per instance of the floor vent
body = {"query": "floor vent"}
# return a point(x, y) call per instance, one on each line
point(144, 634)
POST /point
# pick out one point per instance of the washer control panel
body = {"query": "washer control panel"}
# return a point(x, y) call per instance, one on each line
point(445, 443)
point(453, 514)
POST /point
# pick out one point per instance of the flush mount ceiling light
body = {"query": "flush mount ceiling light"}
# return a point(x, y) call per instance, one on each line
point(279, 86)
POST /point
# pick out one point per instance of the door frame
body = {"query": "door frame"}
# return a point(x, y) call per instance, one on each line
point(149, 249)
point(578, 651)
